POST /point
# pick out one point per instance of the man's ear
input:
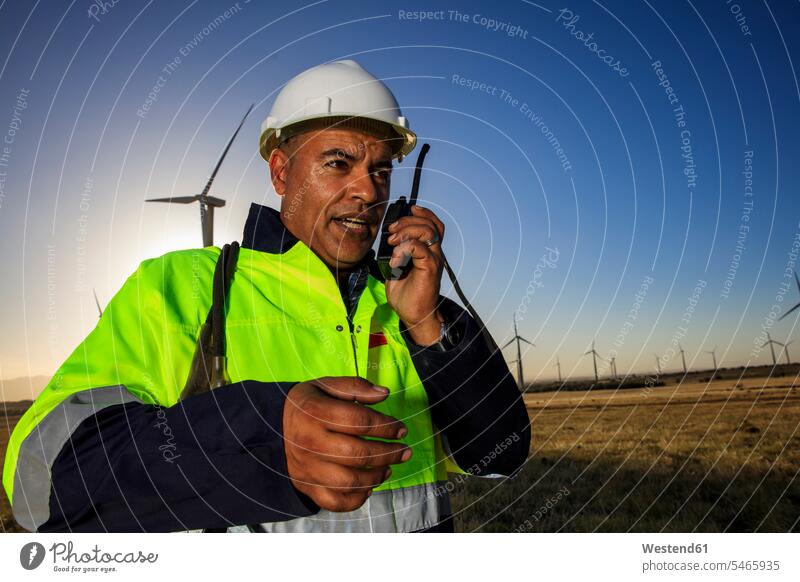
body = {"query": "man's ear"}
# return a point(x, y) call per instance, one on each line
point(278, 169)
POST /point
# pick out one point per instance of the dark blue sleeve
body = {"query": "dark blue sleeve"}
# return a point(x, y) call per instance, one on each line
point(473, 398)
point(213, 460)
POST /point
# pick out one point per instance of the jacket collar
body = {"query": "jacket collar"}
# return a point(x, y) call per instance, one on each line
point(264, 231)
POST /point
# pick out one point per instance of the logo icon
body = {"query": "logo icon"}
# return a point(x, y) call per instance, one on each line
point(31, 555)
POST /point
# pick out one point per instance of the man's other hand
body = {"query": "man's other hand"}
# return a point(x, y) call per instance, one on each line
point(327, 460)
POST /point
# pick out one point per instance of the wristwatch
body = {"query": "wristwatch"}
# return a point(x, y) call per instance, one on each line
point(448, 337)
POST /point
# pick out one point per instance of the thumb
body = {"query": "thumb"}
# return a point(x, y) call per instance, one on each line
point(351, 388)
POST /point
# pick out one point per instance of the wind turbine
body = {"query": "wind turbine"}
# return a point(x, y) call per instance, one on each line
point(97, 302)
point(658, 364)
point(786, 351)
point(797, 280)
point(594, 359)
point(558, 365)
point(207, 203)
point(683, 359)
point(518, 338)
point(613, 365)
point(714, 356)
point(772, 343)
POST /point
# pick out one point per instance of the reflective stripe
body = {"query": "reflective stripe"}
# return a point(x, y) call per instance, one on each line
point(388, 511)
point(31, 505)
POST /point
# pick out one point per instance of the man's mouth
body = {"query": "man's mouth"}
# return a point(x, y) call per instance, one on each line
point(354, 225)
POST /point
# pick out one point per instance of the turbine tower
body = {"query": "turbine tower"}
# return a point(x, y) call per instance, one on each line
point(594, 359)
point(558, 365)
point(207, 203)
point(714, 356)
point(772, 344)
point(518, 338)
point(683, 359)
point(796, 280)
point(786, 351)
point(658, 364)
point(613, 363)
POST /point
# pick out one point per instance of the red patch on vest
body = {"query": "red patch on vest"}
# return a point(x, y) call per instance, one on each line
point(377, 339)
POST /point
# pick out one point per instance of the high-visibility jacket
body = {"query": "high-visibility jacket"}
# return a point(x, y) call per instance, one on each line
point(286, 322)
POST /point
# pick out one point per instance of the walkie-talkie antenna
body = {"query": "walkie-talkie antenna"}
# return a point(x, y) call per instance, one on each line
point(418, 173)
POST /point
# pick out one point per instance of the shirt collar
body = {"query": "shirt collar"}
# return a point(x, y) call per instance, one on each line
point(264, 231)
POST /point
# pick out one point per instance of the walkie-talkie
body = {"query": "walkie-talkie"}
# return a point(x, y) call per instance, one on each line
point(396, 211)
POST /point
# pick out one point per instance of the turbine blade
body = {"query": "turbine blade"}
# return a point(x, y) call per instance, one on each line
point(176, 199)
point(797, 280)
point(526, 341)
point(225, 152)
point(788, 312)
point(511, 341)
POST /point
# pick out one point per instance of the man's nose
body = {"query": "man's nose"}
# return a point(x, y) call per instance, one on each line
point(362, 186)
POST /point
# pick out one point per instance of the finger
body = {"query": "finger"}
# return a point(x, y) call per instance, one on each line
point(415, 250)
point(339, 502)
point(428, 213)
point(353, 451)
point(422, 232)
point(351, 388)
point(343, 479)
point(416, 221)
point(354, 419)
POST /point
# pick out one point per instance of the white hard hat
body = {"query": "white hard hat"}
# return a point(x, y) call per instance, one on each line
point(340, 94)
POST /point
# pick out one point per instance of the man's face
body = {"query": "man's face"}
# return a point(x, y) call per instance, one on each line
point(334, 185)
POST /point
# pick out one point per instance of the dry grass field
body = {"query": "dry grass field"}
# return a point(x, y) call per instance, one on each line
point(711, 457)
point(707, 457)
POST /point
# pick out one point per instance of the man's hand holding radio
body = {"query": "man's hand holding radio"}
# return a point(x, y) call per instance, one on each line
point(415, 297)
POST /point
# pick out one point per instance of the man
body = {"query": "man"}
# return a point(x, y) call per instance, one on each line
point(350, 397)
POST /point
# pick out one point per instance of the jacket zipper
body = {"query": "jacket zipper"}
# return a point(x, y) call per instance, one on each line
point(353, 338)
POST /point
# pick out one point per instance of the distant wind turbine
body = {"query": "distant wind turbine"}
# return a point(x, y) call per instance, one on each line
point(683, 359)
point(613, 363)
point(97, 302)
point(771, 342)
point(518, 338)
point(786, 351)
point(558, 365)
point(714, 356)
point(594, 359)
point(658, 364)
point(796, 280)
point(207, 203)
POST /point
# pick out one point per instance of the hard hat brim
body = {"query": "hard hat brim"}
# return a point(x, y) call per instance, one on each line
point(401, 139)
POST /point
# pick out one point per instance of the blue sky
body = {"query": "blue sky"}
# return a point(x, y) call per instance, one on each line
point(539, 148)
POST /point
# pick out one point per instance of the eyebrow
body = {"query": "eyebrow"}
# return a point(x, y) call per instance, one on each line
point(341, 153)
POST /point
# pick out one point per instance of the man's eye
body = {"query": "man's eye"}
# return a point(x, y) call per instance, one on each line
point(384, 175)
point(334, 164)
